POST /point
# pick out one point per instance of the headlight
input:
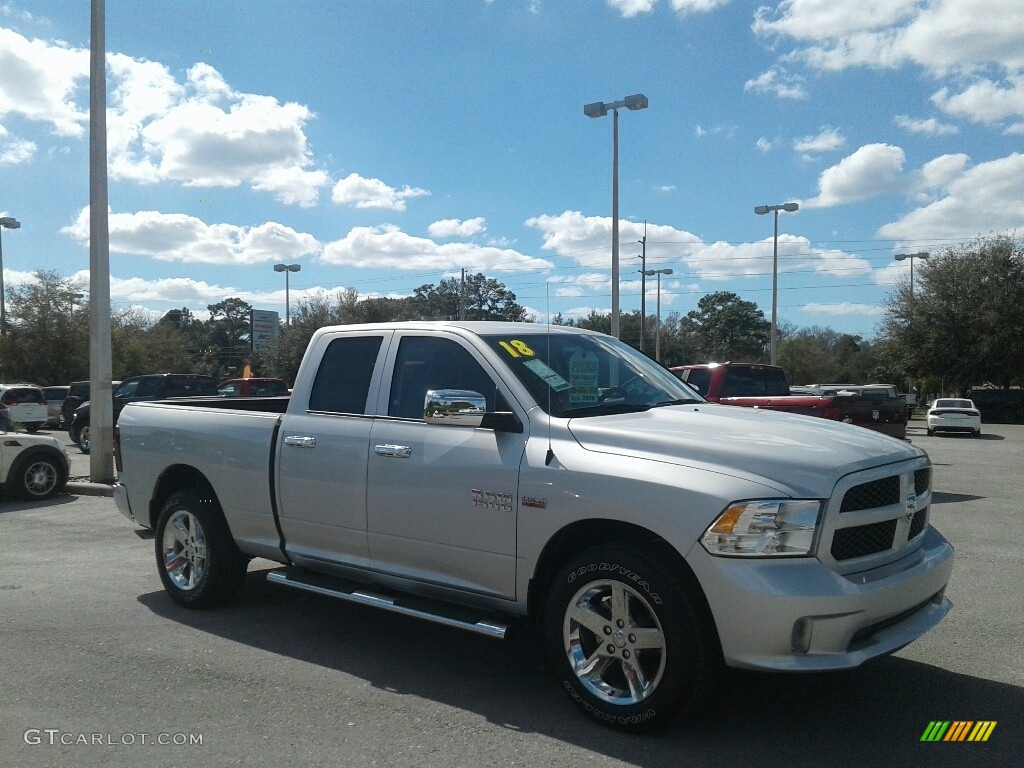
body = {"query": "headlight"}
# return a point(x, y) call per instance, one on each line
point(764, 528)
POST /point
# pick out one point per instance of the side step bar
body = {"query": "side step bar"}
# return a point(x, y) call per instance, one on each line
point(288, 578)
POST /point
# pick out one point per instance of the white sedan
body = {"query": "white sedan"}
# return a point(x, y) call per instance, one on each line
point(954, 415)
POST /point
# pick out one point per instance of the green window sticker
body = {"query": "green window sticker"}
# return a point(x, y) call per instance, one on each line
point(545, 372)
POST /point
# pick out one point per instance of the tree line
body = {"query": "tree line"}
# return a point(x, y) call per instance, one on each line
point(962, 326)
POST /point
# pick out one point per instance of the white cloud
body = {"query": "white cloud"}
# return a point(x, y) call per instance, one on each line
point(667, 188)
point(204, 134)
point(630, 8)
point(764, 146)
point(985, 101)
point(778, 82)
point(828, 140)
point(844, 309)
point(587, 241)
point(925, 126)
point(40, 81)
point(360, 192)
point(872, 170)
point(697, 6)
point(457, 228)
point(177, 237)
point(985, 198)
point(387, 247)
point(15, 151)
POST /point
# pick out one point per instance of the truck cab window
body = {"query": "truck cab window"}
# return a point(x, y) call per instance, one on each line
point(427, 362)
point(342, 382)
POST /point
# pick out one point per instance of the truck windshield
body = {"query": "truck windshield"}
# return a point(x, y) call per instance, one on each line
point(573, 375)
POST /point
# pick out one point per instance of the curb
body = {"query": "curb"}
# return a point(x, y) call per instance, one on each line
point(88, 489)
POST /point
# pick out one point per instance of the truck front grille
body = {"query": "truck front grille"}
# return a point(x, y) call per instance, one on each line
point(863, 540)
point(877, 493)
point(918, 523)
point(922, 480)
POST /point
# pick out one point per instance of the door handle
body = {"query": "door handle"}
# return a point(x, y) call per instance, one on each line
point(394, 451)
point(299, 441)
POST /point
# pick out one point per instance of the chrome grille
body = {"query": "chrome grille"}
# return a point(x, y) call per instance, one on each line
point(862, 540)
point(877, 493)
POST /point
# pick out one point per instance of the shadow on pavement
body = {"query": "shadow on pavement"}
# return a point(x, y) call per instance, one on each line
point(873, 716)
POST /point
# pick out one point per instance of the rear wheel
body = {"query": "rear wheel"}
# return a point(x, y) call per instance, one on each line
point(33, 427)
point(931, 432)
point(83, 439)
point(632, 643)
point(199, 563)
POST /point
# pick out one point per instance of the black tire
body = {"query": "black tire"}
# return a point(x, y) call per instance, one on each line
point(83, 439)
point(33, 427)
point(643, 618)
point(198, 561)
point(931, 432)
point(37, 478)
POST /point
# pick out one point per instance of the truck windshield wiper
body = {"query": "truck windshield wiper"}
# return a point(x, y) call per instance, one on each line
point(603, 409)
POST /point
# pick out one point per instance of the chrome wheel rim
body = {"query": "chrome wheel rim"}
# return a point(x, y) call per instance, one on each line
point(614, 642)
point(40, 478)
point(83, 439)
point(184, 548)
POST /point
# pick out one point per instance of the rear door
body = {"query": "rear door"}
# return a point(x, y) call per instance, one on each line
point(322, 451)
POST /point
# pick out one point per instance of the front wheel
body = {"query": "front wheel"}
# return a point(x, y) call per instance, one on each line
point(632, 643)
point(39, 478)
point(199, 563)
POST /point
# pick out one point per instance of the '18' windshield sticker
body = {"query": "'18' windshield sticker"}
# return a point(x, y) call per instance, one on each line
point(544, 371)
point(516, 348)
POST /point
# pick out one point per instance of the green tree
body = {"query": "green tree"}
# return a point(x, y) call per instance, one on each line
point(482, 298)
point(228, 334)
point(725, 327)
point(47, 331)
point(963, 321)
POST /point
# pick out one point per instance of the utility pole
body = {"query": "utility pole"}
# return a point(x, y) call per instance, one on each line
point(462, 296)
point(643, 286)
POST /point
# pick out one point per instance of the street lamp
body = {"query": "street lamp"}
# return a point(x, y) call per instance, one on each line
point(286, 268)
point(600, 109)
point(912, 256)
point(6, 222)
point(760, 211)
point(657, 329)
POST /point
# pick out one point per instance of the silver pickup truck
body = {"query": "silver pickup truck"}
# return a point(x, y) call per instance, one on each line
point(483, 474)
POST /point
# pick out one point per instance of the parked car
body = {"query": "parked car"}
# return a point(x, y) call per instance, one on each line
point(23, 405)
point(55, 397)
point(954, 415)
point(156, 386)
point(32, 466)
point(258, 387)
point(1004, 406)
point(78, 393)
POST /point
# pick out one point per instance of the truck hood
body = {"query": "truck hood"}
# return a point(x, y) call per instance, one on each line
point(801, 456)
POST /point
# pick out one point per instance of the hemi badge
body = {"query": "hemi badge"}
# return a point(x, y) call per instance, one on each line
point(530, 501)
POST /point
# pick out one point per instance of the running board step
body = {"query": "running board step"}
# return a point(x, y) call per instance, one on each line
point(438, 613)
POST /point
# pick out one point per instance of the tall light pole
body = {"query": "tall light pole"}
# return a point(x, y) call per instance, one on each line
point(912, 256)
point(286, 268)
point(600, 109)
point(6, 222)
point(760, 211)
point(657, 330)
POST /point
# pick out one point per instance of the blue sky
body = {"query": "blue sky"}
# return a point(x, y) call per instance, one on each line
point(385, 145)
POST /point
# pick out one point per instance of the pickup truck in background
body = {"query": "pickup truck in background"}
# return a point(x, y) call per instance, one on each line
point(483, 475)
point(754, 385)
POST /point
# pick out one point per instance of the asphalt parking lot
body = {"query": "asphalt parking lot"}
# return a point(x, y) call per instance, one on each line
point(93, 649)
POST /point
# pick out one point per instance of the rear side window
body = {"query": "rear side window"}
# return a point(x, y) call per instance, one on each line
point(754, 382)
point(699, 379)
point(342, 383)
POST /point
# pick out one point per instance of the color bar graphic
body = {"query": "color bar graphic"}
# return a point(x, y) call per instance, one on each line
point(959, 730)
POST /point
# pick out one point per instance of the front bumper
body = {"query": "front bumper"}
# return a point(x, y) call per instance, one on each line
point(797, 615)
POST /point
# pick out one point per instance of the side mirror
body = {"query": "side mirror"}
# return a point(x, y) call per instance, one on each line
point(465, 408)
point(454, 407)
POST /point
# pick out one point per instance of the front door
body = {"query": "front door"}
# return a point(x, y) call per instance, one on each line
point(442, 500)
